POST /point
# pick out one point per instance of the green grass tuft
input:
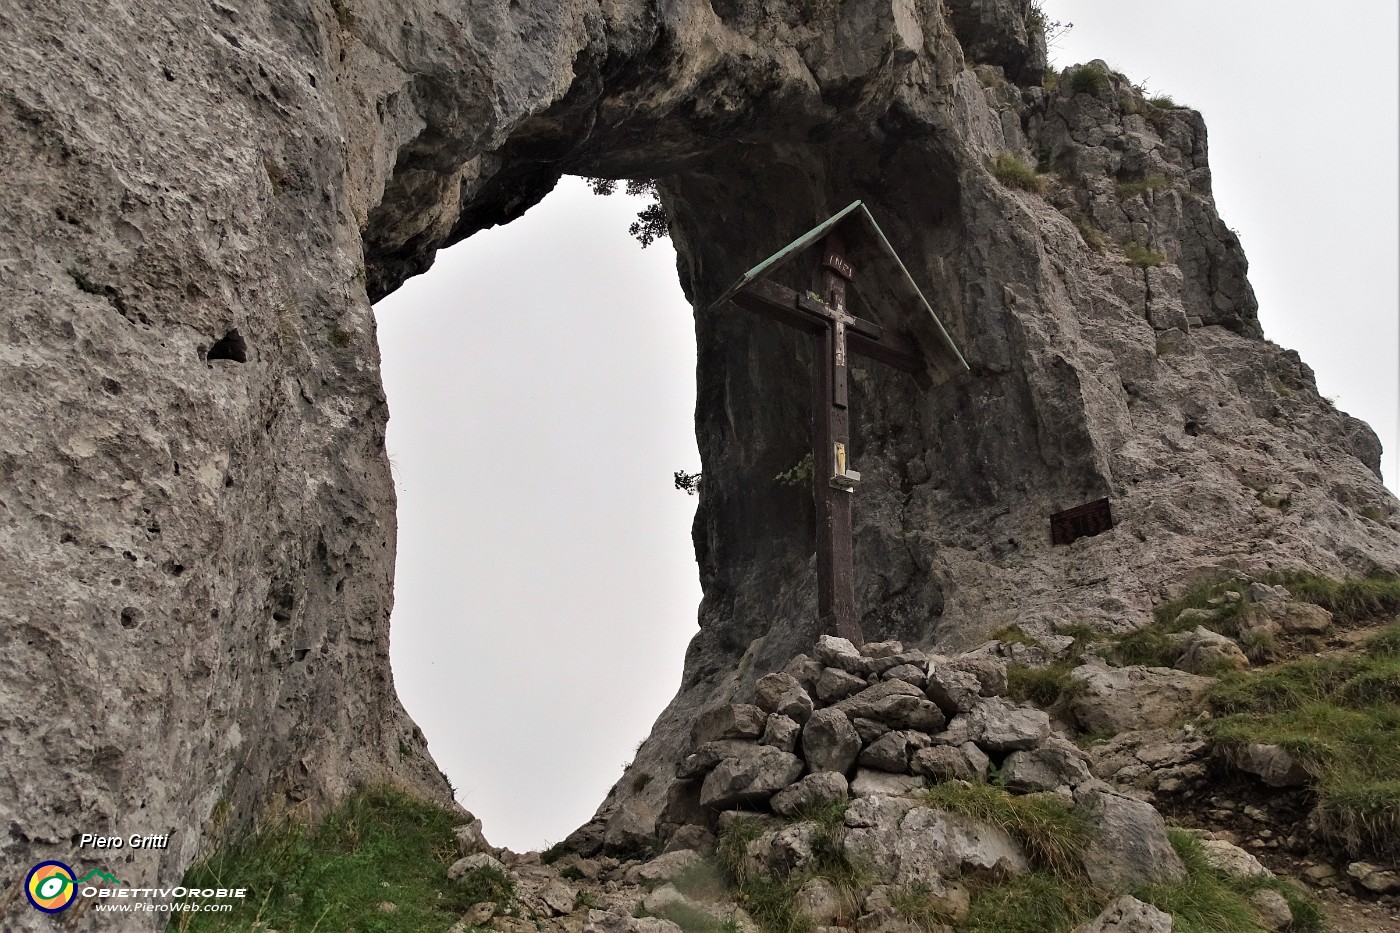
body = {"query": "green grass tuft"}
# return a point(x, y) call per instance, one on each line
point(703, 881)
point(692, 919)
point(921, 907)
point(1013, 173)
point(829, 816)
point(772, 901)
point(1205, 902)
point(1133, 187)
point(1339, 716)
point(1209, 901)
point(1087, 79)
point(1045, 687)
point(1093, 237)
point(1014, 635)
point(554, 853)
point(1053, 836)
point(1162, 102)
point(1037, 902)
point(1353, 601)
point(1142, 257)
point(377, 846)
point(1386, 643)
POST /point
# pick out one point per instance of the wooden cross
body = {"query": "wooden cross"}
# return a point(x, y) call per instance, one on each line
point(837, 334)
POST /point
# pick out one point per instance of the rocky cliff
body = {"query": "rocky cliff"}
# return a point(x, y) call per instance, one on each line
point(203, 198)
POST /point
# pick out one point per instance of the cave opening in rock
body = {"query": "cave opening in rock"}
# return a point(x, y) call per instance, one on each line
point(541, 390)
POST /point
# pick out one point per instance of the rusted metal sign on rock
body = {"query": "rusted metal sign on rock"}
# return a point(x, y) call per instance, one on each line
point(851, 244)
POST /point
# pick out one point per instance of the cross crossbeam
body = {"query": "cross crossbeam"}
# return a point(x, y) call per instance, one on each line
point(837, 334)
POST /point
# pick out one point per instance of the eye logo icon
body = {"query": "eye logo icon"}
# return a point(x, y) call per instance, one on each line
point(50, 887)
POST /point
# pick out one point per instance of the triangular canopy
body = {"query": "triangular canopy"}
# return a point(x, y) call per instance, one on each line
point(900, 306)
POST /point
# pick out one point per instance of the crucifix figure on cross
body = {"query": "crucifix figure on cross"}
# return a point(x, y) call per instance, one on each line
point(927, 352)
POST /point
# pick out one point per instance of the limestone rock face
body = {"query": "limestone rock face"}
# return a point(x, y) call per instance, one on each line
point(1117, 699)
point(202, 200)
point(1132, 847)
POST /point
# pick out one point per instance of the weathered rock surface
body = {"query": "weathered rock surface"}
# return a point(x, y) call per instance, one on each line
point(728, 722)
point(929, 847)
point(1046, 768)
point(750, 777)
point(966, 762)
point(1131, 848)
point(1272, 764)
point(1119, 699)
point(997, 727)
point(1230, 859)
point(201, 200)
point(1374, 878)
point(891, 751)
point(813, 791)
point(783, 695)
point(1167, 760)
point(1207, 652)
point(830, 742)
point(1129, 915)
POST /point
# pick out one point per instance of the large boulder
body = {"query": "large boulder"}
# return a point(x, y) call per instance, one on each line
point(841, 654)
point(871, 783)
point(633, 827)
point(781, 732)
point(1130, 847)
point(954, 690)
point(964, 762)
point(830, 742)
point(730, 721)
point(783, 695)
point(1272, 764)
point(1206, 652)
point(704, 758)
point(609, 921)
point(1055, 764)
point(477, 862)
point(998, 727)
point(988, 667)
point(1165, 760)
point(835, 685)
point(787, 849)
point(805, 670)
point(667, 866)
point(897, 704)
point(891, 751)
point(749, 778)
point(931, 847)
point(1229, 859)
point(823, 903)
point(812, 792)
point(1116, 699)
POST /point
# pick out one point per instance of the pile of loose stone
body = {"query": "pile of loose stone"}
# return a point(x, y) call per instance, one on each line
point(873, 726)
point(874, 720)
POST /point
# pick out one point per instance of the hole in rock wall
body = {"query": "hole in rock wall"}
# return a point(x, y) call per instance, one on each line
point(541, 385)
point(231, 346)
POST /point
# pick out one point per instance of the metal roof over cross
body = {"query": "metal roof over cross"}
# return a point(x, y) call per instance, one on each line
point(847, 240)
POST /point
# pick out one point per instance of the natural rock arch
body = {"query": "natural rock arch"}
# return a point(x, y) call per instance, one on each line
point(185, 170)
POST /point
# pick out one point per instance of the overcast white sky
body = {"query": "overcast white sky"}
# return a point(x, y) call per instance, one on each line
point(541, 386)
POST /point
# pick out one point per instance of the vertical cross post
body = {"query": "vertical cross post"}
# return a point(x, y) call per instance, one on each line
point(831, 440)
